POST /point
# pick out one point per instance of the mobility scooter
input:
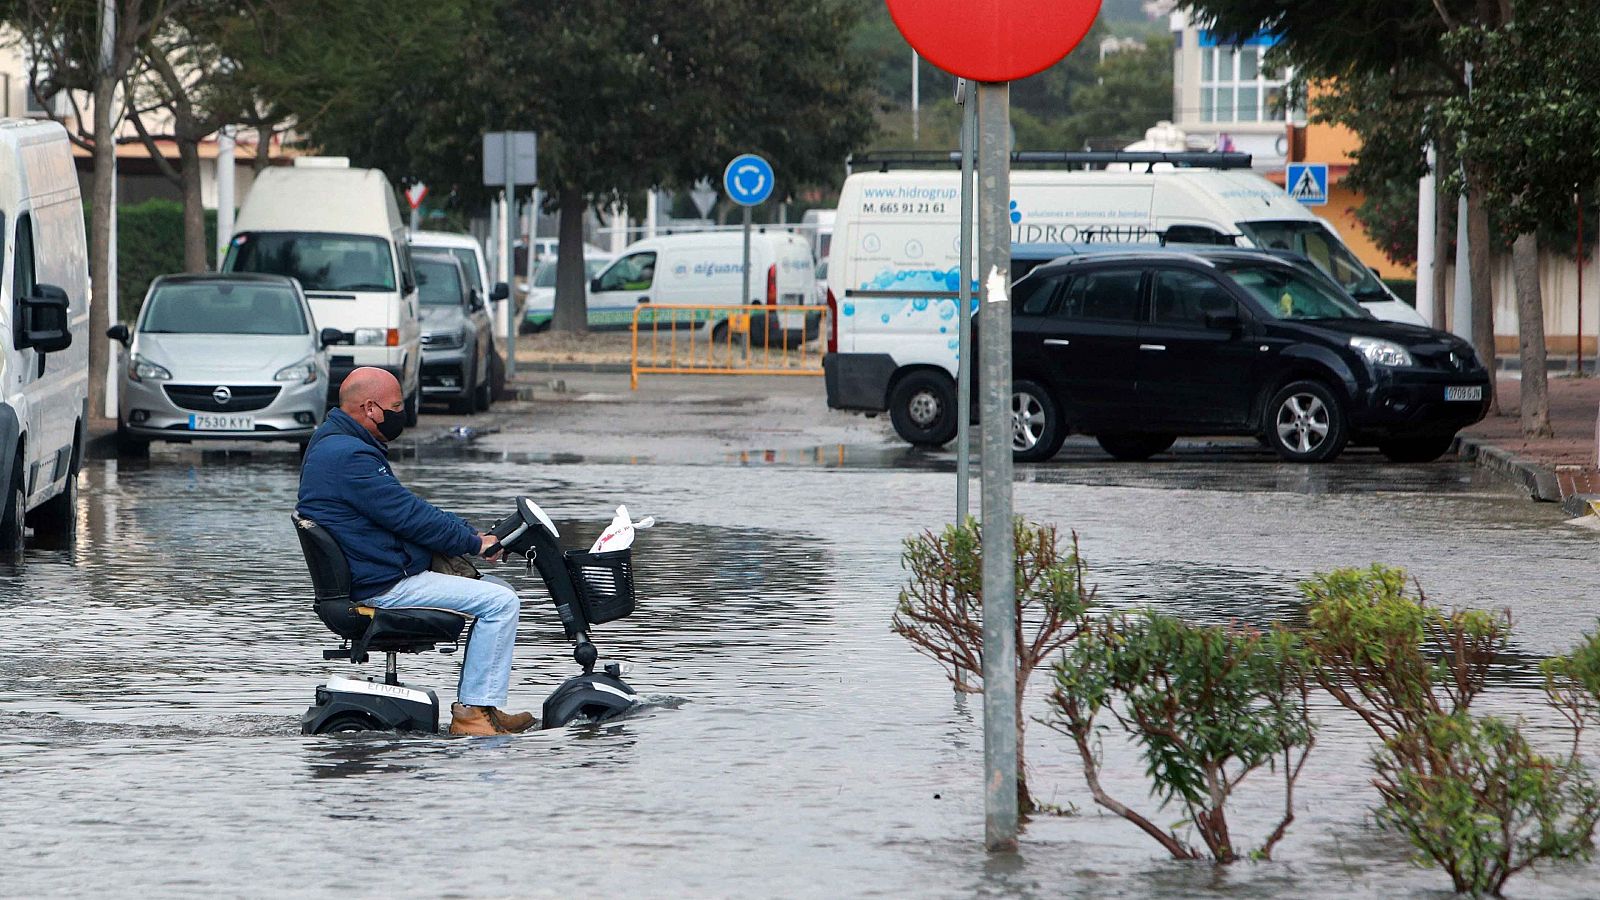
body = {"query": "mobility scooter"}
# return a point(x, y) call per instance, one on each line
point(587, 589)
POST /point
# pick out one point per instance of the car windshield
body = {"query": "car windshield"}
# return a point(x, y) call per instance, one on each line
point(469, 265)
point(220, 308)
point(1289, 294)
point(1316, 243)
point(321, 262)
point(437, 281)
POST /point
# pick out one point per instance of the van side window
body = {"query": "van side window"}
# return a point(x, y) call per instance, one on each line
point(1184, 298)
point(23, 273)
point(634, 272)
point(1110, 295)
point(1032, 296)
point(1197, 234)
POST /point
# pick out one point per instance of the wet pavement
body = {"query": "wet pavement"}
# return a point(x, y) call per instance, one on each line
point(153, 672)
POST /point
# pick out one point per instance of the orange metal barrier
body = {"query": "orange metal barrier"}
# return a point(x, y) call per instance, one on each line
point(727, 340)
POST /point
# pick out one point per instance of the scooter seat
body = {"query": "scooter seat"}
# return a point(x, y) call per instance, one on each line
point(391, 630)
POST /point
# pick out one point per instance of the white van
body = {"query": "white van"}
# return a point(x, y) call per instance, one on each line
point(467, 251)
point(703, 268)
point(338, 231)
point(896, 239)
point(44, 330)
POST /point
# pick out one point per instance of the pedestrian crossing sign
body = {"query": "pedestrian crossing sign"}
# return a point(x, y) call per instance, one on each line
point(1308, 183)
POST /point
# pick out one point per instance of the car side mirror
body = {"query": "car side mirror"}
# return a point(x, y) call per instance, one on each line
point(1224, 321)
point(331, 336)
point(120, 333)
point(46, 308)
point(501, 291)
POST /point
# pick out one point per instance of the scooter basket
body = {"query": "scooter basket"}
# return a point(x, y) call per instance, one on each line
point(604, 582)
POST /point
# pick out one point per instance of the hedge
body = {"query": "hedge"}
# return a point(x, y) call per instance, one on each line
point(149, 243)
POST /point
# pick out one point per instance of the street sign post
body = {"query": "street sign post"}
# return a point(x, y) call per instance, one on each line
point(968, 99)
point(511, 158)
point(995, 42)
point(414, 196)
point(748, 182)
point(1307, 182)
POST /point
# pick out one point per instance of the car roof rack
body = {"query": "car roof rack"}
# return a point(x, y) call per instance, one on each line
point(884, 160)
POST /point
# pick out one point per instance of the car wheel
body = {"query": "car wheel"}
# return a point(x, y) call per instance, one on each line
point(57, 518)
point(485, 392)
point(130, 446)
point(922, 408)
point(1306, 423)
point(412, 403)
point(1425, 448)
point(1037, 428)
point(11, 516)
point(1134, 447)
point(719, 334)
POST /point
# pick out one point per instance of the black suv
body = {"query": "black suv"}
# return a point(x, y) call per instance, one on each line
point(1139, 347)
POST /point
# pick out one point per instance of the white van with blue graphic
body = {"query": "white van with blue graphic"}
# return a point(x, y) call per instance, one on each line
point(703, 269)
point(896, 244)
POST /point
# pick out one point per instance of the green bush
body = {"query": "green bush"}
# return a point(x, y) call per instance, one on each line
point(940, 611)
point(1205, 706)
point(1469, 793)
point(149, 243)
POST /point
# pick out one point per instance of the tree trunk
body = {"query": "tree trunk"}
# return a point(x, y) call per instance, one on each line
point(1444, 232)
point(1535, 406)
point(571, 313)
point(1479, 256)
point(102, 190)
point(196, 255)
point(263, 150)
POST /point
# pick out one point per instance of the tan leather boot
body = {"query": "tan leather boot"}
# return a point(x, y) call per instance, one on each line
point(515, 723)
point(473, 720)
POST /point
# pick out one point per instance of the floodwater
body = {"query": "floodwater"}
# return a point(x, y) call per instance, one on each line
point(152, 673)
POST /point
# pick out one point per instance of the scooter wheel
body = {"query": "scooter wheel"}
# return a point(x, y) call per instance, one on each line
point(347, 723)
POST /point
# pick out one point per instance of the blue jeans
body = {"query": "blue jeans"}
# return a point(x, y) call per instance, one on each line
point(486, 671)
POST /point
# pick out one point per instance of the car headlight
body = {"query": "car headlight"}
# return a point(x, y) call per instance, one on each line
point(304, 371)
point(141, 369)
point(445, 340)
point(1380, 352)
point(369, 337)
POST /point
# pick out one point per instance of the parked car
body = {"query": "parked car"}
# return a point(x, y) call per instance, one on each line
point(222, 357)
point(1139, 347)
point(466, 249)
point(541, 302)
point(44, 346)
point(457, 336)
point(337, 230)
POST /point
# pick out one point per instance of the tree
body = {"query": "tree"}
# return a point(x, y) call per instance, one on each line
point(73, 51)
point(1532, 123)
point(1401, 43)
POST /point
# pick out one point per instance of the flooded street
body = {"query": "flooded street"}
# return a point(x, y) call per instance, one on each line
point(152, 675)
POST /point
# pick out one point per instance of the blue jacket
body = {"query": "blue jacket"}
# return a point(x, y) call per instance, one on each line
point(386, 532)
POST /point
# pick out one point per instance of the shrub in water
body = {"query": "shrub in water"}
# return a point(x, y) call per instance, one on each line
point(1206, 708)
point(1469, 793)
point(941, 608)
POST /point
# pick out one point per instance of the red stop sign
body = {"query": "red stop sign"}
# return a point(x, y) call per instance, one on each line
point(993, 40)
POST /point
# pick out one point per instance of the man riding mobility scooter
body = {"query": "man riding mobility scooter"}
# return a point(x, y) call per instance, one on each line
point(587, 589)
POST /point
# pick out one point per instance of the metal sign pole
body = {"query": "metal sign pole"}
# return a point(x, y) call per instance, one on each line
point(969, 119)
point(509, 221)
point(746, 270)
point(999, 573)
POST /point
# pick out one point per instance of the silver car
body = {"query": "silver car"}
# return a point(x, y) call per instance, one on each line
point(457, 337)
point(222, 357)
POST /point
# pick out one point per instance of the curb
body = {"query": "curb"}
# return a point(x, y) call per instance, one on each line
point(603, 368)
point(1580, 505)
point(101, 442)
point(1538, 480)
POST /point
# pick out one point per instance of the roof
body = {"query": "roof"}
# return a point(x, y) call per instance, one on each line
point(225, 278)
point(1195, 253)
point(441, 239)
point(334, 201)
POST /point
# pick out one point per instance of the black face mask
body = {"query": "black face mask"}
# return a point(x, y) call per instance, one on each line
point(391, 424)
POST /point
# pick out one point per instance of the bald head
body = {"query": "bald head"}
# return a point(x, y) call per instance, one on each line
point(368, 383)
point(369, 396)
